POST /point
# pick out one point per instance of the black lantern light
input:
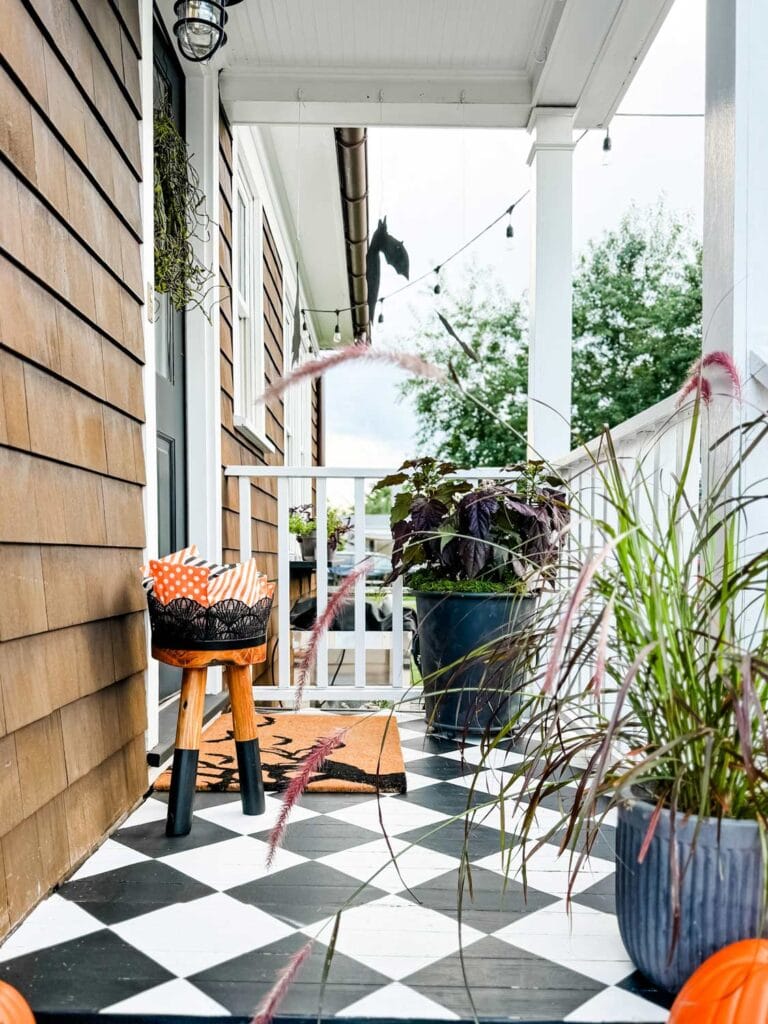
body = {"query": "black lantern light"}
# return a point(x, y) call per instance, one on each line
point(199, 27)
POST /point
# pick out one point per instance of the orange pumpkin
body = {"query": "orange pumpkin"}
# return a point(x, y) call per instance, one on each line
point(729, 988)
point(14, 1008)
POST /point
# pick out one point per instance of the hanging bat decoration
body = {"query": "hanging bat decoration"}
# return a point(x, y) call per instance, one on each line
point(396, 255)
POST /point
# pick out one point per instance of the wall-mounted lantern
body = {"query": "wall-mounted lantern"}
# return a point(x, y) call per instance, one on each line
point(199, 27)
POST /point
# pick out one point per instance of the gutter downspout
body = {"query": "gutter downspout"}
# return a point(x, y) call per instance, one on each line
point(352, 156)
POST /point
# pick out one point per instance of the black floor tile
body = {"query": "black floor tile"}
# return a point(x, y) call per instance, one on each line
point(151, 839)
point(241, 983)
point(318, 837)
point(450, 839)
point(488, 902)
point(443, 768)
point(600, 896)
point(85, 974)
point(305, 893)
point(505, 983)
point(640, 986)
point(127, 892)
point(445, 798)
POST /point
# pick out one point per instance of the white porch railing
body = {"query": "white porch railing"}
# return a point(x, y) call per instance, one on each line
point(651, 447)
point(359, 639)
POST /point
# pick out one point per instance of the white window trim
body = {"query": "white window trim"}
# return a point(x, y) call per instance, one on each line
point(249, 416)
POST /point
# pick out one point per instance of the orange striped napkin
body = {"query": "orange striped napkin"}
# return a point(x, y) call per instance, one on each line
point(242, 582)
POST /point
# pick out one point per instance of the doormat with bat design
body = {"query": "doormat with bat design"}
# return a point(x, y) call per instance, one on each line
point(369, 759)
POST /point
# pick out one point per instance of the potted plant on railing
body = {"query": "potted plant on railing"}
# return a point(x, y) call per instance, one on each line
point(303, 525)
point(476, 558)
point(654, 699)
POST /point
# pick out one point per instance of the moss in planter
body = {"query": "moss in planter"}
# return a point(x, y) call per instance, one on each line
point(430, 583)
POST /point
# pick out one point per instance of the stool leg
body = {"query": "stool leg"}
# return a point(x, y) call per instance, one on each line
point(246, 743)
point(188, 729)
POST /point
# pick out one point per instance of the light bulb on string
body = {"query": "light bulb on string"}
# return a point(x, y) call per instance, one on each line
point(607, 148)
point(304, 327)
point(510, 232)
point(337, 331)
point(437, 289)
point(381, 312)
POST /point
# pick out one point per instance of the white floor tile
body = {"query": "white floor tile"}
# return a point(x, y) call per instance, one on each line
point(417, 864)
point(415, 781)
point(585, 940)
point(55, 920)
point(615, 1004)
point(109, 857)
point(175, 997)
point(395, 937)
point(509, 818)
point(398, 1001)
point(230, 815)
point(399, 816)
point(546, 871)
point(190, 937)
point(150, 810)
point(476, 755)
point(230, 863)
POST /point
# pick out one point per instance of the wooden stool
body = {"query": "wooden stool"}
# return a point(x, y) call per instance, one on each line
point(190, 726)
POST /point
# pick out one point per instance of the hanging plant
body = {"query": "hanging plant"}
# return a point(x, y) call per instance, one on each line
point(180, 218)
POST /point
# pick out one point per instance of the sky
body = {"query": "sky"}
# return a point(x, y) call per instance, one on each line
point(457, 181)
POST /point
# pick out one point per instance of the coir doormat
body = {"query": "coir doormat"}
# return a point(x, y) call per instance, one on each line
point(369, 759)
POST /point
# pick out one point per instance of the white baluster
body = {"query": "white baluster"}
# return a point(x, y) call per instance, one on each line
point(283, 584)
point(359, 526)
point(321, 556)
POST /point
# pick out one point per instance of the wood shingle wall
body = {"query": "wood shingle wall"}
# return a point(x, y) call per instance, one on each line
point(72, 642)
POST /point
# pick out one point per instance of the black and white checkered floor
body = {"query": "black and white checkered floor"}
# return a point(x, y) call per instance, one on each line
point(199, 927)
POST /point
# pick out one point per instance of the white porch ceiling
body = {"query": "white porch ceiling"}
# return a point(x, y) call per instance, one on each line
point(433, 62)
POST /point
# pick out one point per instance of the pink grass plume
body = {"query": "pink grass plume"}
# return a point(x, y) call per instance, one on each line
point(714, 373)
point(323, 624)
point(574, 603)
point(412, 364)
point(271, 1001)
point(307, 768)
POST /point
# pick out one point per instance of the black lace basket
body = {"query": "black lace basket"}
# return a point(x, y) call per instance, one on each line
point(185, 625)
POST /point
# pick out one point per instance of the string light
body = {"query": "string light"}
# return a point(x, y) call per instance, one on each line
point(427, 273)
point(510, 232)
point(381, 312)
point(607, 147)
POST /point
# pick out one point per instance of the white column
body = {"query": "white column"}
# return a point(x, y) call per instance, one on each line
point(735, 269)
point(549, 372)
point(202, 340)
point(149, 431)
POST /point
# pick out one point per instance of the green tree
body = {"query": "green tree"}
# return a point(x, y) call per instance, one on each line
point(636, 318)
point(450, 424)
point(636, 329)
point(379, 502)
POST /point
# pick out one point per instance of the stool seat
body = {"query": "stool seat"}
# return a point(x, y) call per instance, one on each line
point(189, 726)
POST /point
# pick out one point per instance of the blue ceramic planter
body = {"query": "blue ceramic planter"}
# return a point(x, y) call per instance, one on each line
point(477, 696)
point(721, 895)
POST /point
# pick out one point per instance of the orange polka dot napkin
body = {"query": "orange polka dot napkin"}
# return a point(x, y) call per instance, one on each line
point(173, 580)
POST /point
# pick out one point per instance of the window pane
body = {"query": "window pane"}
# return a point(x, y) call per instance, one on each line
point(242, 246)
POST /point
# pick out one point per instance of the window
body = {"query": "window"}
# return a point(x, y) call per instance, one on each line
point(247, 311)
point(298, 409)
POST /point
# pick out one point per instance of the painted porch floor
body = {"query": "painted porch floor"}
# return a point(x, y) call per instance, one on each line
point(152, 928)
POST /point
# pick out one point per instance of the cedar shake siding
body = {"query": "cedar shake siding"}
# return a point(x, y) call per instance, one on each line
point(72, 637)
point(236, 449)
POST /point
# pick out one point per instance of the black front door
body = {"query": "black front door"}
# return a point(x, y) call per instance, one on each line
point(170, 370)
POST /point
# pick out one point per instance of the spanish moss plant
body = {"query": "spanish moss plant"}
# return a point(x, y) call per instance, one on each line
point(180, 218)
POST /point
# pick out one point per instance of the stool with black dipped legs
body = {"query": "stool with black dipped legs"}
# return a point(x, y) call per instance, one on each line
point(189, 727)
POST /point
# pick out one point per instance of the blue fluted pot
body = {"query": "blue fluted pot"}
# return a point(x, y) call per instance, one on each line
point(721, 897)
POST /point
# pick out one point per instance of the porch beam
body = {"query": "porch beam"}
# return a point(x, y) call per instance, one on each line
point(378, 97)
point(549, 360)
